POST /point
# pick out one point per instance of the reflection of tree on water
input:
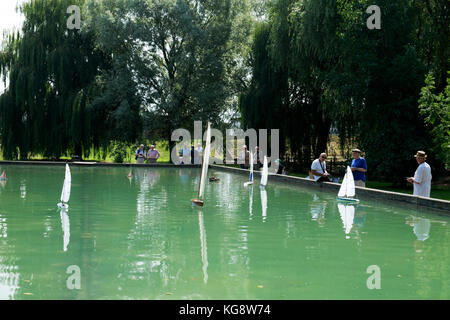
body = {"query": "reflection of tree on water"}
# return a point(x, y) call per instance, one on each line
point(317, 209)
point(430, 259)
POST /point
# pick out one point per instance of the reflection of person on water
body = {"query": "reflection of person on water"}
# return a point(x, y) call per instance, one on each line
point(421, 227)
point(317, 210)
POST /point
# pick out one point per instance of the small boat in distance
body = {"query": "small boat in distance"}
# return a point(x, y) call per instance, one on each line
point(265, 173)
point(204, 173)
point(250, 181)
point(3, 176)
point(347, 190)
point(65, 194)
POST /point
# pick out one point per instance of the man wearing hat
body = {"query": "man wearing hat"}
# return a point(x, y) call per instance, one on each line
point(140, 155)
point(422, 176)
point(359, 168)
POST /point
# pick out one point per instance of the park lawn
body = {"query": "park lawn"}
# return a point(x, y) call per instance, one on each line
point(437, 192)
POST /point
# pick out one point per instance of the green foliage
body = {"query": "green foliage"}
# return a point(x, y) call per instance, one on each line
point(119, 151)
point(436, 109)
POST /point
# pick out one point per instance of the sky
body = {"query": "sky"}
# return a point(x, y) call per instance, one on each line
point(9, 20)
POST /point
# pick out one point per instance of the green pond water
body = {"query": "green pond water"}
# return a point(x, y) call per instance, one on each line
point(140, 238)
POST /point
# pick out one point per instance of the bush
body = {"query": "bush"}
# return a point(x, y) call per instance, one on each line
point(118, 151)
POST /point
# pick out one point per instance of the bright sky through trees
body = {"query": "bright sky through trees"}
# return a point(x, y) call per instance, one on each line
point(9, 20)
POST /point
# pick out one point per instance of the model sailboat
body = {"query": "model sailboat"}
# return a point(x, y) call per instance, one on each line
point(205, 163)
point(250, 181)
point(65, 194)
point(347, 190)
point(265, 173)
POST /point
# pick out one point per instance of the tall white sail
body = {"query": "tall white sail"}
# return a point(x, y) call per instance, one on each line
point(348, 185)
point(205, 163)
point(251, 166)
point(65, 194)
point(265, 173)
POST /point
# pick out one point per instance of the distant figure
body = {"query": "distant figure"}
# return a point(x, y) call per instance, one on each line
point(245, 158)
point(359, 168)
point(153, 154)
point(3, 177)
point(140, 155)
point(280, 169)
point(199, 149)
point(186, 152)
point(319, 169)
point(195, 159)
point(422, 176)
point(257, 158)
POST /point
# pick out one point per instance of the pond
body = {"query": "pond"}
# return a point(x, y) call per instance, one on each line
point(140, 238)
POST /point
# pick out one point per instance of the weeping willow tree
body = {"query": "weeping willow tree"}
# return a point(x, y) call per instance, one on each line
point(52, 73)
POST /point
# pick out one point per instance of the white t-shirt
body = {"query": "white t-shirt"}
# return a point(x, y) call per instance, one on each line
point(316, 165)
point(423, 175)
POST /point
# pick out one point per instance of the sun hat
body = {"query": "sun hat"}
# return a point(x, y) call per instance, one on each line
point(420, 154)
point(356, 150)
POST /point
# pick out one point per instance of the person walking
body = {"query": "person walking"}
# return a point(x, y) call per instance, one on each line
point(359, 168)
point(422, 176)
point(245, 158)
point(140, 155)
point(319, 169)
point(153, 154)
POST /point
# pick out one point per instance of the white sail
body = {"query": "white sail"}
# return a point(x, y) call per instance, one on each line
point(347, 213)
point(265, 173)
point(251, 171)
point(251, 167)
point(205, 163)
point(65, 194)
point(348, 185)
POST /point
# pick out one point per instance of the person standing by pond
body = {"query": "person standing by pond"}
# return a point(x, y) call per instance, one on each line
point(319, 169)
point(359, 168)
point(140, 155)
point(422, 176)
point(153, 154)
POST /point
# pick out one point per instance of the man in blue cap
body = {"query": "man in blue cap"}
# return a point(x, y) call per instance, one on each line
point(359, 168)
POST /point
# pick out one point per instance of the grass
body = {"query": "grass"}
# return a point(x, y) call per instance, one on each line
point(437, 191)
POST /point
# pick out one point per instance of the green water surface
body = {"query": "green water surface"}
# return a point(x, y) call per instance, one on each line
point(140, 238)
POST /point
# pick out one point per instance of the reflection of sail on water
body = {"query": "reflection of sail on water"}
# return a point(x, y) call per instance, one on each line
point(65, 227)
point(347, 213)
point(204, 248)
point(264, 203)
point(251, 200)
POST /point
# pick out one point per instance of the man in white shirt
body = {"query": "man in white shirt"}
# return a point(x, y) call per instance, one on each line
point(319, 169)
point(422, 176)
